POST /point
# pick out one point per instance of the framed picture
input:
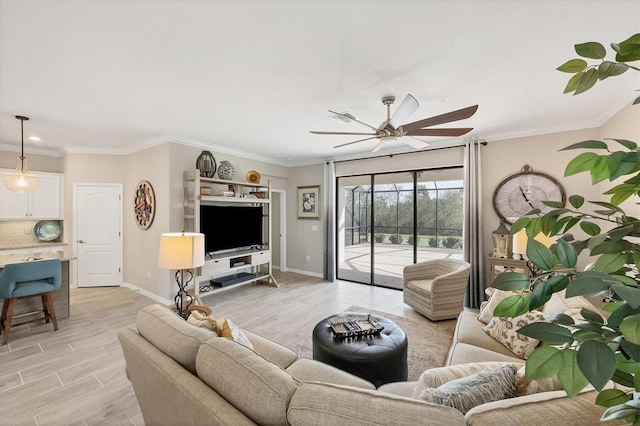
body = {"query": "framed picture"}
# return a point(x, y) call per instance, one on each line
point(309, 202)
point(144, 204)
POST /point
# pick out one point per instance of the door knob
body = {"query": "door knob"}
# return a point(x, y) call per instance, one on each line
point(81, 241)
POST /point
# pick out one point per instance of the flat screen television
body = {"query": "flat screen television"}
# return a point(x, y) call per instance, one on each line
point(230, 227)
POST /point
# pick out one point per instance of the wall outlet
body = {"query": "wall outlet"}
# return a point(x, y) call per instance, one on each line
point(308, 258)
point(148, 274)
point(314, 228)
point(28, 230)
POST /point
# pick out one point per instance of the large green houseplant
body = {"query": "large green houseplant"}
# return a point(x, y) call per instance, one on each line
point(597, 350)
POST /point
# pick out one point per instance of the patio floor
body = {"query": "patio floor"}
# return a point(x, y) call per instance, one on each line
point(390, 259)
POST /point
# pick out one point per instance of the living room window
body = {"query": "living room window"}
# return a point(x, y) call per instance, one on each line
point(389, 220)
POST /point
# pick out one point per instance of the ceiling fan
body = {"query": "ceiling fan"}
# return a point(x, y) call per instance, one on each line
point(391, 129)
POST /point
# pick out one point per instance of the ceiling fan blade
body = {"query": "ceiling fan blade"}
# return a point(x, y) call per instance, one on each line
point(460, 114)
point(440, 132)
point(318, 132)
point(377, 148)
point(406, 109)
point(414, 143)
point(351, 117)
point(349, 143)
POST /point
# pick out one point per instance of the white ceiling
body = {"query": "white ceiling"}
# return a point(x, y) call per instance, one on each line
point(113, 76)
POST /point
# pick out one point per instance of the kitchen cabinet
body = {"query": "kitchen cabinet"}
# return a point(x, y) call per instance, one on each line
point(46, 202)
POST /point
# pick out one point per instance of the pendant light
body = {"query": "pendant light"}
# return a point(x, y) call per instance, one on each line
point(21, 180)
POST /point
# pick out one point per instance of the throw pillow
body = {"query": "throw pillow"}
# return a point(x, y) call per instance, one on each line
point(233, 332)
point(504, 330)
point(438, 376)
point(486, 313)
point(477, 389)
point(201, 320)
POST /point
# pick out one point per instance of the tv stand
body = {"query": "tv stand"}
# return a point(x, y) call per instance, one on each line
point(247, 265)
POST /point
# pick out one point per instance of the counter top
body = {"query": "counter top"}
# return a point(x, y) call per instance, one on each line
point(44, 245)
point(28, 257)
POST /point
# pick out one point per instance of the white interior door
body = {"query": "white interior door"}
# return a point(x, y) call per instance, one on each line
point(98, 213)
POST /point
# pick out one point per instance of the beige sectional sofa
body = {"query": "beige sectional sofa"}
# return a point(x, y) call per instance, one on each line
point(182, 374)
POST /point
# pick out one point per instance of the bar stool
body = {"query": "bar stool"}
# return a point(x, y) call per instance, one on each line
point(29, 279)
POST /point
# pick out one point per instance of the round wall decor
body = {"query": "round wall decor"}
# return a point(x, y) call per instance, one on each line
point(522, 192)
point(144, 204)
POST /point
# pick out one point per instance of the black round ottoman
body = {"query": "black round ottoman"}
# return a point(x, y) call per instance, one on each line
point(379, 358)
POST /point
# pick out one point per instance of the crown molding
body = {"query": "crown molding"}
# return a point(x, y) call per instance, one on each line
point(31, 150)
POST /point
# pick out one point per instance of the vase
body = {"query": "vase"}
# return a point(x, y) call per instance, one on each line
point(206, 164)
point(225, 170)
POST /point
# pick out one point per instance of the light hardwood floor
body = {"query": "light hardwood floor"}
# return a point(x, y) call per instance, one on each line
point(75, 376)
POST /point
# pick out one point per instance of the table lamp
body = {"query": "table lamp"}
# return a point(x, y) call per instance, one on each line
point(182, 251)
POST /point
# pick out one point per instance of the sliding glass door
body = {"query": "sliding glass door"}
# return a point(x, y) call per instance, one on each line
point(389, 220)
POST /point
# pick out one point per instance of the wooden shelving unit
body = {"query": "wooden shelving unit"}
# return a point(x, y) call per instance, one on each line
point(257, 262)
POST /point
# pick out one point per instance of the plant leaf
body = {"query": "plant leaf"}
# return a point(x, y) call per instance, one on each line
point(570, 375)
point(597, 362)
point(611, 397)
point(631, 295)
point(566, 254)
point(540, 255)
point(544, 361)
point(512, 306)
point(585, 285)
point(588, 144)
point(547, 332)
point(587, 81)
point(573, 66)
point(576, 201)
point(630, 329)
point(631, 349)
point(582, 163)
point(510, 281)
point(591, 49)
point(590, 228)
point(610, 69)
point(610, 262)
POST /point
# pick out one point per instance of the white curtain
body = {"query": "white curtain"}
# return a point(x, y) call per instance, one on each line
point(472, 227)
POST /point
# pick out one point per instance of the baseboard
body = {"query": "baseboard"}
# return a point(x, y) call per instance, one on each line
point(300, 271)
point(150, 295)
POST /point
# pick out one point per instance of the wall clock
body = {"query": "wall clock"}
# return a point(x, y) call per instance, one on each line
point(522, 192)
point(144, 204)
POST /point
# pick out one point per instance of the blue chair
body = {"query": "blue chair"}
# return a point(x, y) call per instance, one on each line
point(29, 279)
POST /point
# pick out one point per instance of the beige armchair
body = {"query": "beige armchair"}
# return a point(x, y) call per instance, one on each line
point(436, 288)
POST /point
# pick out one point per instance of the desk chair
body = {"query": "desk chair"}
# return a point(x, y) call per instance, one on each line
point(29, 279)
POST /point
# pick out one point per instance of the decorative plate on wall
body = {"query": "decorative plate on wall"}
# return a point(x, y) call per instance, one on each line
point(47, 230)
point(144, 204)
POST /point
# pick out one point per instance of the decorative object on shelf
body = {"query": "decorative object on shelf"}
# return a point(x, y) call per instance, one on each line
point(309, 202)
point(182, 251)
point(144, 204)
point(226, 170)
point(253, 177)
point(47, 230)
point(355, 325)
point(206, 164)
point(205, 190)
point(501, 241)
point(21, 180)
point(522, 192)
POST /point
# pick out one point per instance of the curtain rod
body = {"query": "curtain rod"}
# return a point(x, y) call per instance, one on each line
point(404, 153)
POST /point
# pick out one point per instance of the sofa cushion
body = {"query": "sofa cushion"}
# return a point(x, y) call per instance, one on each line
point(436, 377)
point(172, 335)
point(257, 387)
point(272, 351)
point(463, 353)
point(505, 331)
point(476, 389)
point(309, 370)
point(559, 304)
point(320, 404)
point(469, 330)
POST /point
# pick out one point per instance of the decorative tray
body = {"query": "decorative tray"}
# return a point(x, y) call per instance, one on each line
point(47, 230)
point(355, 325)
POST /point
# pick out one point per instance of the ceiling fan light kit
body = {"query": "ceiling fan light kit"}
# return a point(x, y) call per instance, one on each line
point(21, 180)
point(391, 130)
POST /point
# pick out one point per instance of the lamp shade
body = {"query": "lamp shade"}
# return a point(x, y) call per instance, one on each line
point(181, 250)
point(21, 180)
